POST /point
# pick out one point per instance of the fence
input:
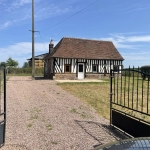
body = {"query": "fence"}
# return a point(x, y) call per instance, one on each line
point(129, 101)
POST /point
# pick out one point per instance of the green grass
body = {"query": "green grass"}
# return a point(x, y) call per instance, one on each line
point(49, 127)
point(33, 116)
point(34, 113)
point(54, 142)
point(82, 114)
point(73, 110)
point(29, 125)
point(96, 95)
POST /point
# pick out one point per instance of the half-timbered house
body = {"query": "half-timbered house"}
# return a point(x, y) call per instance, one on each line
point(74, 58)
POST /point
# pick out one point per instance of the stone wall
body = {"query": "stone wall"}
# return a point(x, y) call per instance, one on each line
point(72, 76)
point(66, 76)
point(96, 76)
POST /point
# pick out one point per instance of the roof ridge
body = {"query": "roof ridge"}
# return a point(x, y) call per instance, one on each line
point(85, 39)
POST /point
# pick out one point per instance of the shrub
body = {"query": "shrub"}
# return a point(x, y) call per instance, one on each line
point(145, 71)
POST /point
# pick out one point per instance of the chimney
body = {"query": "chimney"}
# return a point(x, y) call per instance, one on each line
point(51, 45)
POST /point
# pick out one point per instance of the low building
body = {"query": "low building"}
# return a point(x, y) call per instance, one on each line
point(75, 58)
point(39, 63)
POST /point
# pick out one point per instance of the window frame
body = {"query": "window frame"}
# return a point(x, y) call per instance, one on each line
point(96, 68)
point(69, 68)
point(116, 68)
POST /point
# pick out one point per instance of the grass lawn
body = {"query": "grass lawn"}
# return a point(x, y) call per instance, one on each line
point(96, 95)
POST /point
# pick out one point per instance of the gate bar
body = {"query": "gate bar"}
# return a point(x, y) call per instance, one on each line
point(111, 76)
point(4, 102)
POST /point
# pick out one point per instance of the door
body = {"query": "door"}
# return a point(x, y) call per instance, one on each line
point(80, 70)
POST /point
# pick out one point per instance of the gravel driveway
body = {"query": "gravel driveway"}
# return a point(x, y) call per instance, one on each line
point(42, 116)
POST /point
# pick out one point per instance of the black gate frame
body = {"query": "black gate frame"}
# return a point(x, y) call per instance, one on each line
point(3, 114)
point(125, 94)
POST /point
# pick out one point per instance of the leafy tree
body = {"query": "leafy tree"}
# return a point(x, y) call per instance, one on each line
point(11, 63)
point(3, 64)
point(145, 70)
point(25, 65)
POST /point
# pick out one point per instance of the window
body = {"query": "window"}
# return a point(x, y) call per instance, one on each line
point(67, 68)
point(116, 68)
point(80, 67)
point(94, 68)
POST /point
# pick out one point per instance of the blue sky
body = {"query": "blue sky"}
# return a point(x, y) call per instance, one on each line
point(124, 22)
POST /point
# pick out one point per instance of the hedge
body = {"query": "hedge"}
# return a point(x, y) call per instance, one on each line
point(145, 69)
point(24, 70)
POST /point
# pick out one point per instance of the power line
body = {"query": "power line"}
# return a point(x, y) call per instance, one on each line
point(71, 15)
point(42, 40)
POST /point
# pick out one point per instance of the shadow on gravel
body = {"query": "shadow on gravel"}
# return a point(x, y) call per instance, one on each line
point(102, 133)
point(41, 78)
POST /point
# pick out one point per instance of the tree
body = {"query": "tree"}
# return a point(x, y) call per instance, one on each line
point(11, 63)
point(145, 71)
point(25, 65)
point(3, 64)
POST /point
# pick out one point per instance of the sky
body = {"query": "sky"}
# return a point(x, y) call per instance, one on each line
point(124, 22)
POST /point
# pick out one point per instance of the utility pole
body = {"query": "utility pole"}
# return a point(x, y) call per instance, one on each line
point(33, 67)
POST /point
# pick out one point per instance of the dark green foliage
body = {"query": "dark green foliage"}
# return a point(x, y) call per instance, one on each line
point(146, 70)
point(25, 65)
point(3, 64)
point(11, 63)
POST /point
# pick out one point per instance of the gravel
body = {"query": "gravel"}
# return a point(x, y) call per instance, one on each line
point(42, 116)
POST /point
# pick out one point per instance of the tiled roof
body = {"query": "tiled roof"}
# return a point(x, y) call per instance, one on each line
point(85, 48)
point(39, 56)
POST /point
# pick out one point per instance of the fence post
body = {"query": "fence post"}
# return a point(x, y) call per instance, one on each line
point(4, 102)
point(111, 76)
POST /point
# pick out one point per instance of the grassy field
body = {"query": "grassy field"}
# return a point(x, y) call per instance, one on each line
point(134, 94)
point(96, 95)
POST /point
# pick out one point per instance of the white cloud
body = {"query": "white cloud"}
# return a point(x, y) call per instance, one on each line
point(135, 7)
point(6, 24)
point(22, 9)
point(22, 2)
point(128, 42)
point(134, 47)
point(136, 59)
point(145, 38)
point(23, 51)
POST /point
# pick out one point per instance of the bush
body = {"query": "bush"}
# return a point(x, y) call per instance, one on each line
point(145, 71)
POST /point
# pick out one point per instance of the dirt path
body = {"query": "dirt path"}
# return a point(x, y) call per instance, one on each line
point(42, 116)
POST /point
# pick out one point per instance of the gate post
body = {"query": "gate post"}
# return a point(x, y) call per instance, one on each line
point(3, 114)
point(4, 103)
point(111, 76)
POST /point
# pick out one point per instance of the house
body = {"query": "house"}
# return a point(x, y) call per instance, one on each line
point(75, 58)
point(39, 63)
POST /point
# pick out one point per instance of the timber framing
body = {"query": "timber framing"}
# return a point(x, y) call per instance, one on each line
point(95, 58)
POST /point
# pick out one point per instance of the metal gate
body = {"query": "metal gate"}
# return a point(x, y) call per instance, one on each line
point(130, 102)
point(2, 105)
